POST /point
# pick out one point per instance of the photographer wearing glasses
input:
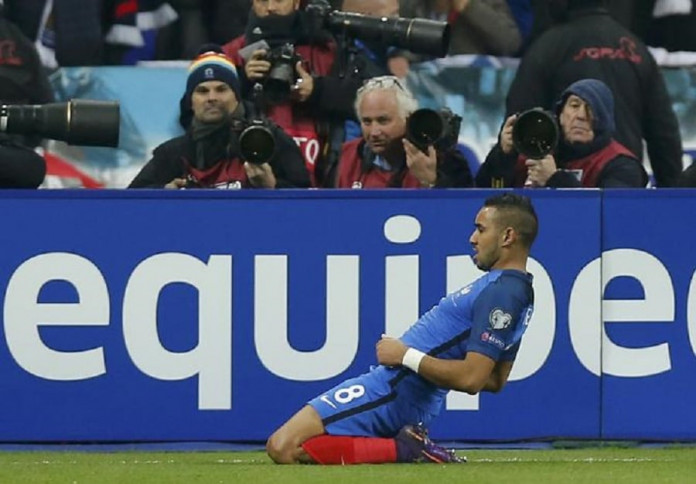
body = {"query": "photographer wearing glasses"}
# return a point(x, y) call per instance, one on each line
point(383, 157)
point(212, 154)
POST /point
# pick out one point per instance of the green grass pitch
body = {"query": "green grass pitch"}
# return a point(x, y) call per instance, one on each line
point(587, 465)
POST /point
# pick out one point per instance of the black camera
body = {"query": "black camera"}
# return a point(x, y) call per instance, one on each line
point(418, 35)
point(426, 127)
point(535, 133)
point(77, 122)
point(281, 75)
point(256, 142)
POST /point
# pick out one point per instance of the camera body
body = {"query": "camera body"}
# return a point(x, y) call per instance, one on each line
point(440, 129)
point(281, 75)
point(255, 142)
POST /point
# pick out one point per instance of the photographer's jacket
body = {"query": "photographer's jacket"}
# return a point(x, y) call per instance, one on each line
point(357, 169)
point(210, 158)
point(20, 167)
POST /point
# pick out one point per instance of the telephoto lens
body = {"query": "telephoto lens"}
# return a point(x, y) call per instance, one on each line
point(257, 143)
point(535, 133)
point(77, 122)
point(427, 127)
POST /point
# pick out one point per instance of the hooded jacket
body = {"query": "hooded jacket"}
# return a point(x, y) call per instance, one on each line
point(602, 163)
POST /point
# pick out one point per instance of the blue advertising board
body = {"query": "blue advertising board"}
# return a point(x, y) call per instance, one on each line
point(206, 315)
point(649, 340)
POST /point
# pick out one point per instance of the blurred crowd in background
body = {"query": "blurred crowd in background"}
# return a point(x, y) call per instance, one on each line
point(113, 32)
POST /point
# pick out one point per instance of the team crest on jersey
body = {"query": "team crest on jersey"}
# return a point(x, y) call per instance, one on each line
point(499, 319)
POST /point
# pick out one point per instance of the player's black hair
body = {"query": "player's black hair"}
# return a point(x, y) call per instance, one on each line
point(516, 211)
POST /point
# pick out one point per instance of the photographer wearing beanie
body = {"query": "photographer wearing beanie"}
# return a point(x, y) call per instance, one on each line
point(209, 154)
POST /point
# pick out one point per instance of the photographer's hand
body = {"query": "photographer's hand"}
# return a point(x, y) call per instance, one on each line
point(506, 135)
point(304, 86)
point(260, 176)
point(257, 66)
point(422, 166)
point(539, 171)
point(176, 184)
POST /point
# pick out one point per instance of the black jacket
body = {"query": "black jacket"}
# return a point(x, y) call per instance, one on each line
point(172, 158)
point(20, 167)
point(593, 45)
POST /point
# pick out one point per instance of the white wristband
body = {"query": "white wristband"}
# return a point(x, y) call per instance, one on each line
point(412, 359)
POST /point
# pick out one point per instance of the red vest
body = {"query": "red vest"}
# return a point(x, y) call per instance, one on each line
point(351, 175)
point(295, 118)
point(224, 174)
point(588, 167)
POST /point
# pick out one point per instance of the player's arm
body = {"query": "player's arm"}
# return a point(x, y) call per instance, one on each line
point(476, 372)
point(498, 377)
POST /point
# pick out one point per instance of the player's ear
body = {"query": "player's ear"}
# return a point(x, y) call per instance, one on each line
point(509, 236)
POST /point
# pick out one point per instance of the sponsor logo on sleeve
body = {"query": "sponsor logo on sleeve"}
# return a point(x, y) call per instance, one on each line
point(492, 339)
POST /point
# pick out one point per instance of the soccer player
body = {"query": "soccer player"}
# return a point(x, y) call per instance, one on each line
point(467, 342)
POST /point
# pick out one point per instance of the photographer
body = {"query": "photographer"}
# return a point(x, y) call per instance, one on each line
point(209, 155)
point(324, 85)
point(384, 158)
point(278, 23)
point(589, 43)
point(22, 80)
point(587, 155)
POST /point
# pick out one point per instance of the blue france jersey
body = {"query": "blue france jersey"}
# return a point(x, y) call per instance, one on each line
point(488, 316)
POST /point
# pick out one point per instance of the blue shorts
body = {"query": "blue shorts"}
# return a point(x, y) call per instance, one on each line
point(375, 404)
